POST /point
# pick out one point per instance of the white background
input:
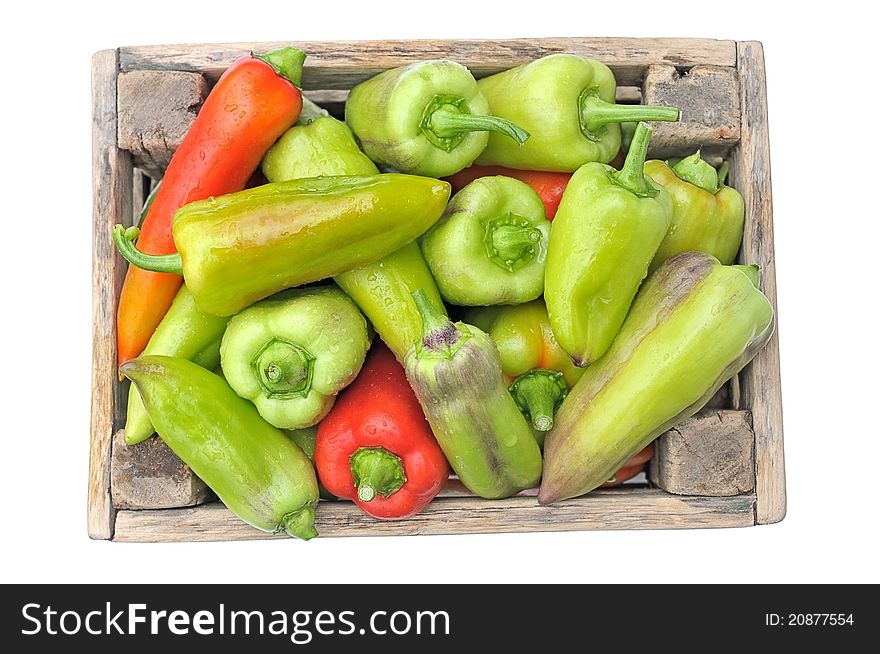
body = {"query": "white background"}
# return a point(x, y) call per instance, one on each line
point(822, 76)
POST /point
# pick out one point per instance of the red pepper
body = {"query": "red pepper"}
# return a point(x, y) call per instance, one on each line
point(375, 446)
point(253, 103)
point(549, 186)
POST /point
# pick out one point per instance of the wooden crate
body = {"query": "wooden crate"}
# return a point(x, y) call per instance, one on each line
point(737, 478)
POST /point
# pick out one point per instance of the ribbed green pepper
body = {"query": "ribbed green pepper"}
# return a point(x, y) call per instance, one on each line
point(256, 471)
point(316, 146)
point(490, 245)
point(694, 324)
point(566, 103)
point(539, 371)
point(184, 332)
point(456, 375)
point(427, 118)
point(606, 231)
point(292, 353)
point(243, 247)
point(706, 215)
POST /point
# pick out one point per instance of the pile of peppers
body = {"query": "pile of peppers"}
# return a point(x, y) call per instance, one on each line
point(457, 277)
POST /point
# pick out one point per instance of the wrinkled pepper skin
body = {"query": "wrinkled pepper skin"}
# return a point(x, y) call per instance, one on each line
point(255, 470)
point(694, 324)
point(240, 248)
point(537, 369)
point(549, 186)
point(606, 232)
point(706, 216)
point(456, 375)
point(383, 292)
point(187, 333)
point(292, 353)
point(376, 448)
point(316, 146)
point(427, 118)
point(566, 103)
point(490, 245)
point(251, 105)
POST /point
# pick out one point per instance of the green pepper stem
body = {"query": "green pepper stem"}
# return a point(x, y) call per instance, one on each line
point(695, 170)
point(538, 393)
point(448, 122)
point(723, 170)
point(595, 114)
point(632, 175)
point(753, 272)
point(310, 112)
point(165, 263)
point(287, 62)
point(511, 246)
point(300, 523)
point(376, 471)
point(283, 369)
point(438, 332)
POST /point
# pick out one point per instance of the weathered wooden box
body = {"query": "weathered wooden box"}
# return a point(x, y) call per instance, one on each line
point(723, 468)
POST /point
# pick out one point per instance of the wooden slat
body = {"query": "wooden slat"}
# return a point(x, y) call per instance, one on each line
point(112, 182)
point(342, 64)
point(610, 509)
point(760, 381)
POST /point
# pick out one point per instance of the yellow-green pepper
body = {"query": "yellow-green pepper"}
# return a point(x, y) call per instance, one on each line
point(566, 103)
point(239, 248)
point(606, 232)
point(706, 215)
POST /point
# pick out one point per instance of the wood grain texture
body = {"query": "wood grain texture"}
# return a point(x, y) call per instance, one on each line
point(609, 509)
point(760, 381)
point(342, 64)
point(111, 187)
point(711, 454)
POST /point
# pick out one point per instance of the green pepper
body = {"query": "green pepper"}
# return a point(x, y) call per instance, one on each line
point(607, 230)
point(490, 245)
point(694, 324)
point(292, 353)
point(538, 370)
point(316, 146)
point(456, 374)
point(184, 332)
point(567, 103)
point(427, 118)
point(239, 248)
point(307, 440)
point(255, 470)
point(706, 216)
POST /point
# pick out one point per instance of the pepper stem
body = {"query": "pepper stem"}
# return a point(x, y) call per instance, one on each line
point(538, 394)
point(632, 175)
point(511, 241)
point(300, 523)
point(376, 471)
point(723, 170)
point(595, 114)
point(287, 62)
point(164, 263)
point(696, 171)
point(440, 335)
point(283, 369)
point(448, 122)
point(753, 272)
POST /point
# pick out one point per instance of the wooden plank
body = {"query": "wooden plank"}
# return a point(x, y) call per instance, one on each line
point(111, 186)
point(610, 509)
point(760, 381)
point(342, 64)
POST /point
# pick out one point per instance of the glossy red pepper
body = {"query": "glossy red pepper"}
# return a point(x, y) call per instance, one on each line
point(253, 103)
point(549, 186)
point(375, 446)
